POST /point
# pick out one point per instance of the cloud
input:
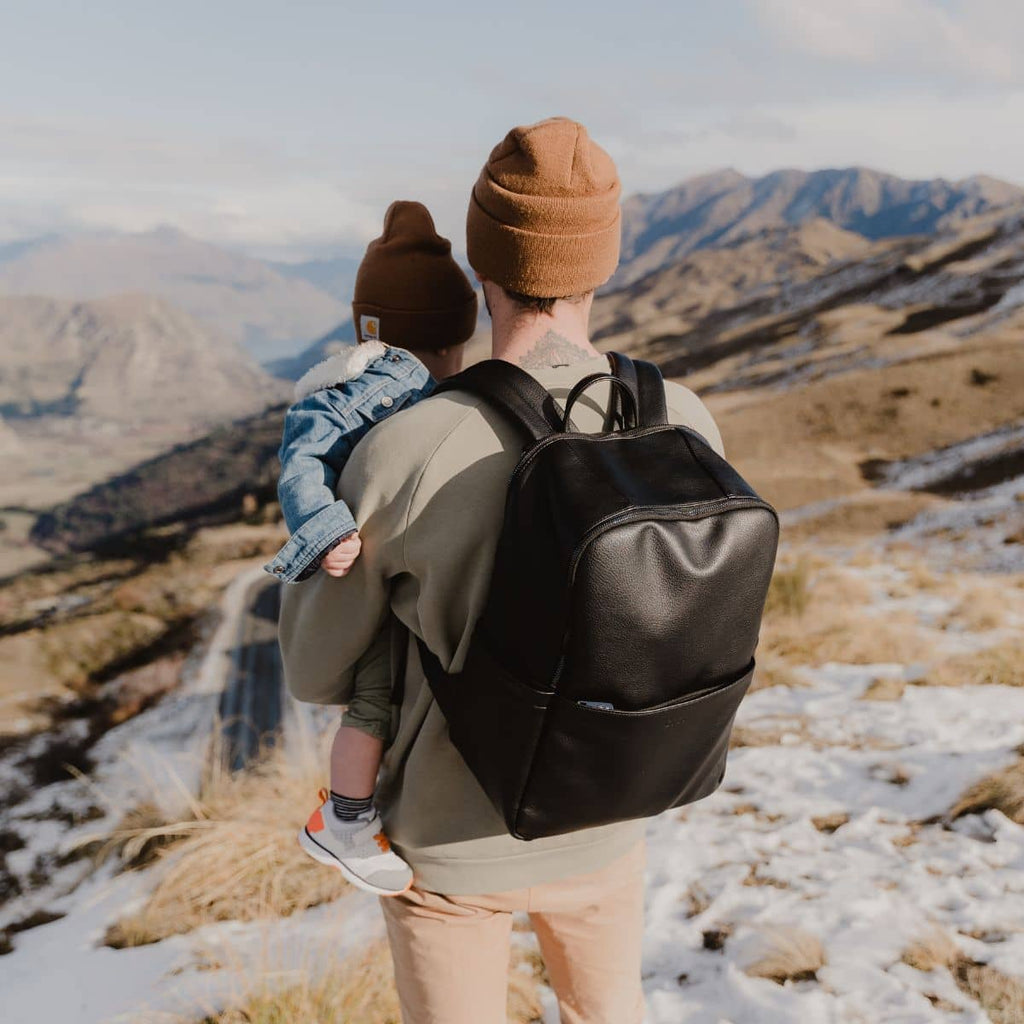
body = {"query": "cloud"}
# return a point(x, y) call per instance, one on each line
point(917, 87)
point(978, 41)
point(920, 135)
point(57, 177)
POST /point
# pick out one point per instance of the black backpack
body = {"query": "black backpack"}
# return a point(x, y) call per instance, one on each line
point(618, 635)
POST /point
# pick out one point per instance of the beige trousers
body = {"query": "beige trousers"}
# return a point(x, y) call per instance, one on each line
point(451, 953)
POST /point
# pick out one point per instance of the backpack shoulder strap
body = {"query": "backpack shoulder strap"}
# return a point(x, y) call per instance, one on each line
point(645, 381)
point(512, 390)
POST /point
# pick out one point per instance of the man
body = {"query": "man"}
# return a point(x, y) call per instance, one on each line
point(428, 487)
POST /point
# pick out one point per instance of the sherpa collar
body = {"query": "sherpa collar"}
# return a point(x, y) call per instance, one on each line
point(342, 366)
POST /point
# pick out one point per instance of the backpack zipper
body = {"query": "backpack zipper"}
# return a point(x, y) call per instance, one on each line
point(690, 511)
point(687, 511)
point(528, 458)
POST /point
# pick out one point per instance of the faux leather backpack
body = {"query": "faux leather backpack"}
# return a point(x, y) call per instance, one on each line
point(618, 635)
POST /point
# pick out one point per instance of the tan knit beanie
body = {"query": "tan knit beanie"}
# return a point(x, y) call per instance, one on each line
point(409, 291)
point(544, 214)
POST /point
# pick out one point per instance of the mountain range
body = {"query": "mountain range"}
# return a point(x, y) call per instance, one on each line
point(254, 303)
point(713, 271)
point(90, 388)
point(726, 205)
point(771, 299)
point(122, 359)
point(275, 309)
point(336, 277)
point(293, 367)
point(823, 355)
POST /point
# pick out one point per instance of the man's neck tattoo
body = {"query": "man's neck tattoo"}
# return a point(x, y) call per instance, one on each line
point(553, 350)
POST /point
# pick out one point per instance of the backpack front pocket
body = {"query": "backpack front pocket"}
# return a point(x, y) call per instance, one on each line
point(599, 765)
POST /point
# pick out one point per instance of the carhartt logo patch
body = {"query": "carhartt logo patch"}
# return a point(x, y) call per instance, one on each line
point(369, 328)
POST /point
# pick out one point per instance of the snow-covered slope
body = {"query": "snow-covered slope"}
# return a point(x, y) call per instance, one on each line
point(830, 821)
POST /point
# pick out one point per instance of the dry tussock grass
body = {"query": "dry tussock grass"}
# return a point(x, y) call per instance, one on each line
point(1000, 996)
point(786, 954)
point(23, 597)
point(884, 688)
point(844, 634)
point(860, 515)
point(138, 688)
point(769, 733)
point(363, 992)
point(863, 556)
point(141, 833)
point(75, 651)
point(789, 730)
point(233, 857)
point(1003, 791)
point(127, 604)
point(835, 585)
point(754, 877)
point(818, 612)
point(697, 899)
point(930, 951)
point(982, 608)
point(921, 576)
point(892, 772)
point(827, 427)
point(789, 591)
point(1000, 665)
point(909, 838)
point(830, 823)
point(774, 672)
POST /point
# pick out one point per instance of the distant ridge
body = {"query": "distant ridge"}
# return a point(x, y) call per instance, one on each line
point(726, 205)
point(293, 367)
point(336, 277)
point(254, 303)
point(809, 305)
point(128, 359)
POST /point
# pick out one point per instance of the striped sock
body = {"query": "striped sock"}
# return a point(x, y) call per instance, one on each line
point(347, 808)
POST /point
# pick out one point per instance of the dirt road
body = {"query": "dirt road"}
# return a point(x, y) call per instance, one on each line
point(251, 704)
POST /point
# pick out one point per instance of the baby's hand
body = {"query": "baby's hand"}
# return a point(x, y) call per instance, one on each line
point(339, 559)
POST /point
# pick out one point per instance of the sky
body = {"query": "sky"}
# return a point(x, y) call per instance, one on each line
point(285, 129)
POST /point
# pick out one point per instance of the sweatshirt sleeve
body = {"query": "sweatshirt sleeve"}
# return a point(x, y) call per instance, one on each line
point(328, 623)
point(685, 408)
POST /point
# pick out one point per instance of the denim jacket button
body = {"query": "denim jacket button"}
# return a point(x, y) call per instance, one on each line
point(387, 401)
point(279, 569)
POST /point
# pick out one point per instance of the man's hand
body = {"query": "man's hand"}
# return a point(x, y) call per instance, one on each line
point(339, 559)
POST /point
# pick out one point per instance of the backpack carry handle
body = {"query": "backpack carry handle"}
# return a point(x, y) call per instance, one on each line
point(618, 383)
point(645, 381)
point(530, 406)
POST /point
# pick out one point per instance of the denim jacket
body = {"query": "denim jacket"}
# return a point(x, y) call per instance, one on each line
point(337, 402)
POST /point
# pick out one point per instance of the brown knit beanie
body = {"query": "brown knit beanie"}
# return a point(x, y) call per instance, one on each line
point(544, 214)
point(409, 291)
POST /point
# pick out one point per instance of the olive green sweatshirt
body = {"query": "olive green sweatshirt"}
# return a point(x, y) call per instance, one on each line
point(427, 487)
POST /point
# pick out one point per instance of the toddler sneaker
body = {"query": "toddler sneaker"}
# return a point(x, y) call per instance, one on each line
point(358, 849)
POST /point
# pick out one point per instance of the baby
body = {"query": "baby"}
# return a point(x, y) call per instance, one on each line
point(410, 291)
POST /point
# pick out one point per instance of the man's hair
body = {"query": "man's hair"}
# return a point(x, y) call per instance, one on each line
point(535, 304)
